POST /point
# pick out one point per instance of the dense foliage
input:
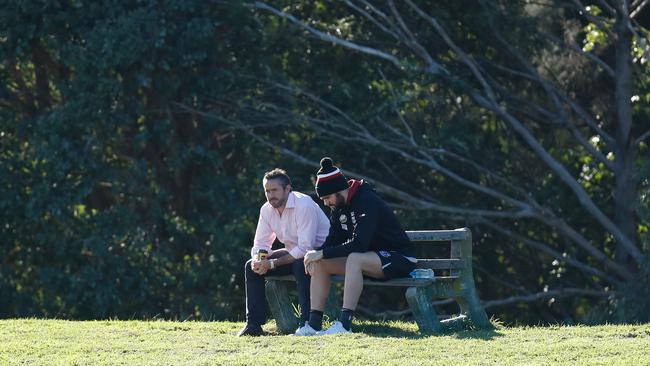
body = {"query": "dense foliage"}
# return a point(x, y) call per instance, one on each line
point(115, 201)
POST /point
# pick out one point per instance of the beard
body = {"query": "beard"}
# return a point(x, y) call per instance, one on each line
point(340, 201)
point(277, 202)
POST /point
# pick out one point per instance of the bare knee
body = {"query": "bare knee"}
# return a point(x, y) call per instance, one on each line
point(326, 267)
point(354, 261)
point(317, 269)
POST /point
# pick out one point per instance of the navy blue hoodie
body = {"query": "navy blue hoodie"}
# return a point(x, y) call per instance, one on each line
point(364, 224)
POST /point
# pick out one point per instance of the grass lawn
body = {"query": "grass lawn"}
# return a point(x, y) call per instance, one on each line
point(57, 342)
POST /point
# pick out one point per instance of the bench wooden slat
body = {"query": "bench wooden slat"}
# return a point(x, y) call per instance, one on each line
point(441, 263)
point(408, 282)
point(405, 282)
point(438, 235)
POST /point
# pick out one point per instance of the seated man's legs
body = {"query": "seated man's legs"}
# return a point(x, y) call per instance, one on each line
point(255, 301)
point(379, 265)
point(320, 287)
point(321, 281)
point(297, 268)
point(302, 283)
point(256, 296)
point(358, 265)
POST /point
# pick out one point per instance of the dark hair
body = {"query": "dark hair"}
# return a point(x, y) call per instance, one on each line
point(280, 174)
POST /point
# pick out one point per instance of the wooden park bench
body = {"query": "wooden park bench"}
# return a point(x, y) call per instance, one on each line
point(457, 283)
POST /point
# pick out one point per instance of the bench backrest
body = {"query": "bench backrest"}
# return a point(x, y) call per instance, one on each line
point(461, 249)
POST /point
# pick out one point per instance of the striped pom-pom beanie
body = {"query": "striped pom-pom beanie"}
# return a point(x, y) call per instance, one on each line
point(329, 179)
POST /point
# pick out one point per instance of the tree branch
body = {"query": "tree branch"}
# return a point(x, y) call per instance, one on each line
point(367, 138)
point(557, 96)
point(565, 176)
point(562, 293)
point(607, 7)
point(490, 102)
point(558, 120)
point(599, 22)
point(589, 55)
point(464, 57)
point(373, 19)
point(554, 253)
point(421, 203)
point(434, 69)
point(410, 39)
point(501, 281)
point(418, 203)
point(638, 7)
point(643, 136)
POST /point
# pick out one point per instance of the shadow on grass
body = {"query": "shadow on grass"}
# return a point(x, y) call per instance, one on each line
point(386, 330)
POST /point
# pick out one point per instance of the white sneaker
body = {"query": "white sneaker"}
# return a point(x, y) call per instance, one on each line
point(336, 328)
point(305, 331)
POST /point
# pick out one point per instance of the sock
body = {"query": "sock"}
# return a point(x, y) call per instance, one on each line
point(304, 318)
point(346, 318)
point(316, 319)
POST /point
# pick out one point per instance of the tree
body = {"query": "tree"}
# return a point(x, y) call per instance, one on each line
point(115, 202)
point(538, 138)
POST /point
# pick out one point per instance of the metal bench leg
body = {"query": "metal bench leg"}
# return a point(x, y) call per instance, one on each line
point(419, 299)
point(470, 305)
point(333, 304)
point(277, 295)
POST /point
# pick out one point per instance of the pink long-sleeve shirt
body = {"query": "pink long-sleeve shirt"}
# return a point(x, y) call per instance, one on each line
point(302, 226)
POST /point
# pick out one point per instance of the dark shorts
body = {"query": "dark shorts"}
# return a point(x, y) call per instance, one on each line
point(395, 264)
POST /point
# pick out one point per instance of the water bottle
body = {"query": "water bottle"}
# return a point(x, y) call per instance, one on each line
point(422, 273)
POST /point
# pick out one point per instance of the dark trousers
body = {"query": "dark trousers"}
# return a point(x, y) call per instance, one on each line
point(256, 297)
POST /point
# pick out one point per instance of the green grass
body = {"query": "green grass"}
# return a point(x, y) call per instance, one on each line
point(57, 342)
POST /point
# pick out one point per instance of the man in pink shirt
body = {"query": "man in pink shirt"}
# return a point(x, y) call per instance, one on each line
point(298, 223)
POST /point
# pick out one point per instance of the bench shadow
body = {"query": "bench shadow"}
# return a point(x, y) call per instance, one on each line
point(390, 331)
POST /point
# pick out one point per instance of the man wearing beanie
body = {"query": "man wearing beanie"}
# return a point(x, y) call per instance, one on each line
point(298, 223)
point(365, 239)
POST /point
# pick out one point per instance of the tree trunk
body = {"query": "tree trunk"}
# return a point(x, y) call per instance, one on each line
point(625, 188)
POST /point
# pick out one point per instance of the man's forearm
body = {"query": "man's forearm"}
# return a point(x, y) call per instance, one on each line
point(282, 258)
